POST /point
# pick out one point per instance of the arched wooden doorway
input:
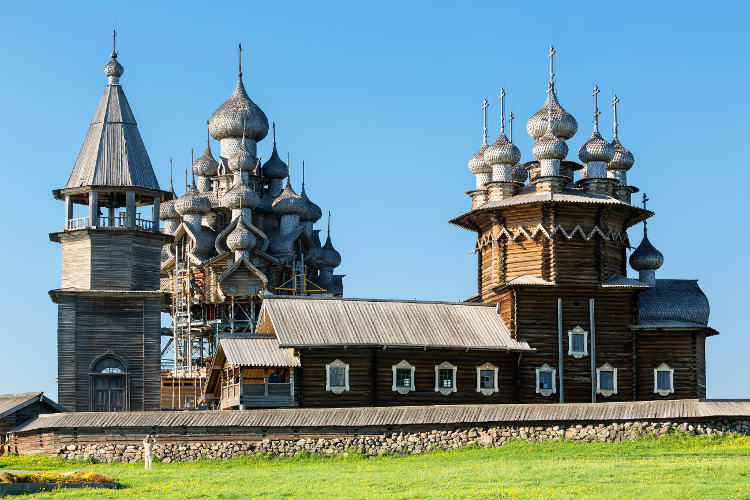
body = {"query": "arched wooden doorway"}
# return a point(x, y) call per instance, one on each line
point(109, 384)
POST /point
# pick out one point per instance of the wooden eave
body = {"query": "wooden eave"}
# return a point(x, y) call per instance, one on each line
point(408, 346)
point(109, 230)
point(81, 192)
point(710, 332)
point(85, 292)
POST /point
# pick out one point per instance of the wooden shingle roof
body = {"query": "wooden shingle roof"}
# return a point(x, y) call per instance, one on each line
point(330, 321)
point(10, 403)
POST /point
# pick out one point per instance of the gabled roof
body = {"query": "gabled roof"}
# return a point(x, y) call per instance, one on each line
point(334, 322)
point(11, 403)
point(113, 153)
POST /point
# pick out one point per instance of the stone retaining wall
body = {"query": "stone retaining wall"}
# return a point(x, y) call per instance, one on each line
point(411, 442)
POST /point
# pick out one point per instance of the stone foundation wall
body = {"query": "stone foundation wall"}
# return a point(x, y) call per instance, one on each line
point(409, 442)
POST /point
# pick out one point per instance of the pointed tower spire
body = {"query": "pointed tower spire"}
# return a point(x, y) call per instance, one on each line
point(187, 186)
point(303, 174)
point(596, 108)
point(114, 44)
point(502, 110)
point(329, 224)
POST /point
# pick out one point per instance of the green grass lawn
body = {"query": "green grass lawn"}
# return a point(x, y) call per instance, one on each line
point(675, 466)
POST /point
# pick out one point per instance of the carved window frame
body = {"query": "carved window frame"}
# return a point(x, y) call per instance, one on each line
point(486, 390)
point(546, 368)
point(578, 331)
point(445, 365)
point(403, 365)
point(337, 389)
point(662, 391)
point(606, 367)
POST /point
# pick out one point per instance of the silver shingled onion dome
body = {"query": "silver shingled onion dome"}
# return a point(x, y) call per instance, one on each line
point(241, 160)
point(289, 202)
point(313, 212)
point(502, 152)
point(477, 164)
point(549, 147)
point(238, 115)
point(329, 256)
point(206, 165)
point(646, 256)
point(275, 168)
point(192, 202)
point(168, 211)
point(563, 123)
point(622, 159)
point(596, 149)
point(240, 196)
point(520, 174)
point(241, 238)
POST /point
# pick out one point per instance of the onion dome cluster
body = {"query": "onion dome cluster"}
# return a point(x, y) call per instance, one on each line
point(502, 152)
point(167, 209)
point(241, 160)
point(313, 213)
point(596, 149)
point(563, 123)
point(519, 174)
point(240, 196)
point(192, 202)
point(206, 165)
point(622, 158)
point(646, 257)
point(289, 203)
point(238, 115)
point(241, 238)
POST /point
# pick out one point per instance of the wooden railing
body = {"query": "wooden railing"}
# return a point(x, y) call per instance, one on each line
point(257, 394)
point(118, 221)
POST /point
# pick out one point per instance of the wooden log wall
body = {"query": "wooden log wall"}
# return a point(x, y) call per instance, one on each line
point(683, 351)
point(371, 376)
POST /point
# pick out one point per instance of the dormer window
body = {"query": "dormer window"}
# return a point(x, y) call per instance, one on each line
point(578, 342)
point(445, 378)
point(606, 380)
point(337, 377)
point(403, 377)
point(545, 380)
point(664, 380)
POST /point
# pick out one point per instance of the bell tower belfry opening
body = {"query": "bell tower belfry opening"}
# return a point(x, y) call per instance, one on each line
point(109, 300)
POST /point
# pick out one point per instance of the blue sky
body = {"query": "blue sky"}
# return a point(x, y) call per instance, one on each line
point(383, 102)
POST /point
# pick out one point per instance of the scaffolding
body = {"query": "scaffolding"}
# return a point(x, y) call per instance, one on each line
point(298, 284)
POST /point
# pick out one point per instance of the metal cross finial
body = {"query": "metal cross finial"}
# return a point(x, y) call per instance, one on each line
point(114, 44)
point(274, 134)
point(171, 184)
point(615, 100)
point(645, 229)
point(502, 110)
point(484, 109)
point(596, 108)
point(187, 186)
point(551, 58)
point(303, 174)
point(510, 124)
point(550, 89)
point(208, 136)
point(240, 58)
point(644, 200)
point(329, 224)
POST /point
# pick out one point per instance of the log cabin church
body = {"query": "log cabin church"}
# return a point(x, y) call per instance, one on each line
point(258, 317)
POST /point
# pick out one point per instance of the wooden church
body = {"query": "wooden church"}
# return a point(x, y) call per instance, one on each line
point(258, 317)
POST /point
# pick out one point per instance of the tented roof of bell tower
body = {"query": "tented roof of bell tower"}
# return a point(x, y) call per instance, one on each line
point(113, 153)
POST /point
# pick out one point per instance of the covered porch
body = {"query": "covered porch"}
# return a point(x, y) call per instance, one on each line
point(251, 371)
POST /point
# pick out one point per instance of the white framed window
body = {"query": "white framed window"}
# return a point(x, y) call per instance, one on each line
point(487, 379)
point(545, 380)
point(606, 380)
point(445, 378)
point(337, 377)
point(578, 345)
point(663, 380)
point(403, 377)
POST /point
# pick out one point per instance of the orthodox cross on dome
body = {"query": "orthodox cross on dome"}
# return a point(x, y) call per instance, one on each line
point(171, 184)
point(615, 100)
point(596, 108)
point(303, 174)
point(273, 125)
point(239, 55)
point(510, 124)
point(114, 44)
point(329, 223)
point(484, 109)
point(551, 58)
point(502, 110)
point(643, 201)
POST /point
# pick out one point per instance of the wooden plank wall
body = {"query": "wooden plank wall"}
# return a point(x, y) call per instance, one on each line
point(683, 351)
point(371, 377)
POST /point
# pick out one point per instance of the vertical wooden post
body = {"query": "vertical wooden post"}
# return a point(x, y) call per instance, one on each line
point(561, 390)
point(265, 382)
point(155, 216)
point(68, 210)
point(93, 209)
point(130, 209)
point(291, 383)
point(593, 350)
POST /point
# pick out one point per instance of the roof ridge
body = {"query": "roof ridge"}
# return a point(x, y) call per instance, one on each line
point(366, 299)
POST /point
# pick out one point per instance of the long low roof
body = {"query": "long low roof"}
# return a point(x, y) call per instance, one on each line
point(380, 417)
point(321, 322)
